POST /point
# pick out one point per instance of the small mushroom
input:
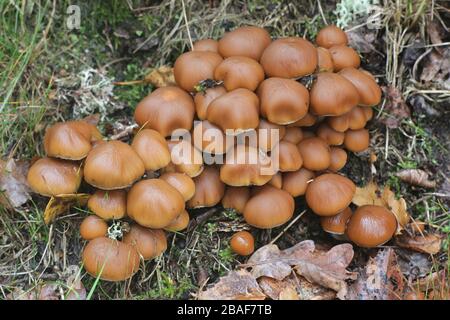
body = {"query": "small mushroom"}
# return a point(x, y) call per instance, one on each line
point(239, 72)
point(152, 149)
point(242, 243)
point(185, 158)
point(371, 226)
point(52, 177)
point(180, 181)
point(324, 60)
point(149, 243)
point(331, 136)
point(307, 121)
point(289, 156)
point(368, 89)
point(192, 67)
point(209, 138)
point(329, 194)
point(93, 227)
point(110, 259)
point(165, 110)
point(331, 36)
point(269, 208)
point(357, 118)
point(283, 101)
point(179, 223)
point(297, 182)
point(344, 57)
point(291, 57)
point(236, 198)
point(338, 159)
point(336, 224)
point(276, 181)
point(248, 41)
point(269, 134)
point(368, 111)
point(108, 205)
point(206, 45)
point(202, 100)
point(209, 189)
point(339, 123)
point(315, 153)
point(293, 135)
point(154, 203)
point(113, 165)
point(357, 140)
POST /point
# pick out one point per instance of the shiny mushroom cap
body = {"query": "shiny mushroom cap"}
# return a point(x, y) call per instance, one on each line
point(315, 153)
point(329, 194)
point(110, 260)
point(52, 177)
point(344, 57)
point(269, 134)
point(202, 100)
point(371, 226)
point(246, 41)
point(331, 136)
point(290, 158)
point(165, 110)
point(180, 223)
point(236, 198)
point(242, 243)
point(357, 118)
point(209, 189)
point(185, 158)
point(325, 61)
point(283, 101)
point(297, 182)
point(206, 45)
point(357, 140)
point(149, 243)
point(339, 123)
point(289, 58)
point(269, 208)
point(154, 203)
point(293, 135)
point(192, 67)
point(338, 159)
point(180, 181)
point(276, 181)
point(113, 165)
point(152, 148)
point(307, 121)
point(209, 138)
point(336, 224)
point(331, 36)
point(93, 227)
point(71, 140)
point(108, 205)
point(239, 72)
point(368, 89)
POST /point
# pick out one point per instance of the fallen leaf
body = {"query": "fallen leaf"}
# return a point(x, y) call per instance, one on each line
point(237, 285)
point(436, 69)
point(20, 294)
point(434, 33)
point(413, 264)
point(361, 40)
point(48, 292)
point(428, 243)
point(371, 194)
point(161, 77)
point(76, 289)
point(14, 190)
point(62, 203)
point(326, 268)
point(436, 281)
point(93, 119)
point(395, 109)
point(381, 279)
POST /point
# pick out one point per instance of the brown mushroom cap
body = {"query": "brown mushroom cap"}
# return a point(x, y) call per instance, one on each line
point(267, 133)
point(297, 182)
point(276, 181)
point(357, 140)
point(154, 203)
point(52, 177)
point(294, 135)
point(324, 60)
point(307, 121)
point(179, 223)
point(113, 165)
point(236, 198)
point(70, 140)
point(192, 67)
point(165, 110)
point(246, 166)
point(329, 194)
point(340, 123)
point(283, 101)
point(239, 72)
point(368, 111)
point(315, 153)
point(209, 189)
point(368, 89)
point(202, 100)
point(309, 134)
point(185, 158)
point(344, 57)
point(110, 260)
point(93, 227)
point(371, 226)
point(108, 205)
point(290, 158)
point(209, 138)
point(242, 243)
point(357, 118)
point(152, 149)
point(338, 159)
point(332, 95)
point(206, 45)
point(236, 110)
point(149, 243)
point(331, 36)
point(331, 136)
point(269, 208)
point(246, 41)
point(291, 57)
point(180, 181)
point(336, 224)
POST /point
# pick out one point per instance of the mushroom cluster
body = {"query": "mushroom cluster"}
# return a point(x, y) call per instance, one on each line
point(251, 124)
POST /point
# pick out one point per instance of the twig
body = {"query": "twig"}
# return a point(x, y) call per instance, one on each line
point(125, 132)
point(186, 24)
point(288, 226)
point(321, 12)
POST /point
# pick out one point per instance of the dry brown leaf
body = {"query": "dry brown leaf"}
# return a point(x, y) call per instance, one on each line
point(371, 194)
point(49, 292)
point(429, 243)
point(416, 177)
point(93, 119)
point(62, 203)
point(76, 289)
point(161, 77)
point(237, 285)
point(395, 108)
point(14, 190)
point(326, 268)
point(381, 279)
